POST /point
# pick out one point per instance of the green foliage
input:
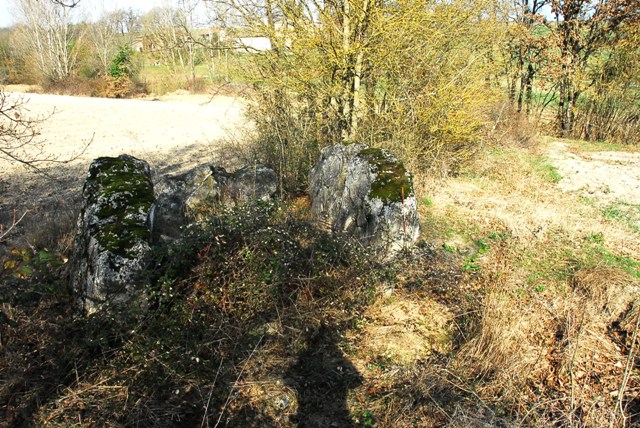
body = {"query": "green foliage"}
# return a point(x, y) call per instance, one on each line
point(483, 247)
point(626, 213)
point(449, 248)
point(122, 64)
point(25, 263)
point(365, 418)
point(471, 265)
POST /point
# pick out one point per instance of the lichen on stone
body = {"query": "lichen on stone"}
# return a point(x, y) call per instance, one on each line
point(359, 192)
point(123, 196)
point(393, 182)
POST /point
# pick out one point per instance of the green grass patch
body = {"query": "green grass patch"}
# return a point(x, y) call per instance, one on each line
point(625, 213)
point(598, 255)
point(449, 248)
point(426, 202)
point(545, 169)
point(559, 260)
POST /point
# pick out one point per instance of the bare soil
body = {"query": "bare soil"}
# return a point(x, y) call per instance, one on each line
point(605, 176)
point(149, 128)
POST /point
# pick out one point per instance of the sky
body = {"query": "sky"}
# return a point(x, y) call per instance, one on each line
point(88, 7)
point(95, 8)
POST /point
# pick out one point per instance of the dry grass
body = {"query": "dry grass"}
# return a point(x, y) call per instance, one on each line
point(551, 342)
point(404, 329)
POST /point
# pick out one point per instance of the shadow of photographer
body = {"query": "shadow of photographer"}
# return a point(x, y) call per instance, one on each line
point(322, 377)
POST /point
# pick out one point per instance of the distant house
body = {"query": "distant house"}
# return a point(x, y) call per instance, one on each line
point(214, 37)
point(211, 34)
point(252, 44)
point(137, 45)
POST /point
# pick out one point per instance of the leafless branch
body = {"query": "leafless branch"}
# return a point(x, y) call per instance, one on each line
point(20, 140)
point(66, 3)
point(5, 232)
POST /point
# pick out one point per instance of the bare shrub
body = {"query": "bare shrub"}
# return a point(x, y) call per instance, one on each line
point(288, 137)
point(20, 140)
point(198, 85)
point(612, 117)
point(19, 135)
point(512, 128)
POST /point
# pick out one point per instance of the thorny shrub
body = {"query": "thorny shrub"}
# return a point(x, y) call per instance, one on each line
point(246, 261)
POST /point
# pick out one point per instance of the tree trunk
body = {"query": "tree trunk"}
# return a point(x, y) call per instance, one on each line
point(347, 72)
point(529, 87)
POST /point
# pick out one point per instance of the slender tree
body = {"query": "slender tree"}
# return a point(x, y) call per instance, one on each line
point(103, 36)
point(583, 29)
point(49, 38)
point(527, 49)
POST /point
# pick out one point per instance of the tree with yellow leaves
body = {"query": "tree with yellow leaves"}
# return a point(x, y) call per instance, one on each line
point(407, 75)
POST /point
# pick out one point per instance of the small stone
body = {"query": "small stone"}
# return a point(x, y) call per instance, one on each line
point(183, 198)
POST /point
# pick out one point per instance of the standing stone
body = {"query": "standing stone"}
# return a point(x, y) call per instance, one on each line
point(367, 194)
point(181, 198)
point(113, 238)
point(220, 187)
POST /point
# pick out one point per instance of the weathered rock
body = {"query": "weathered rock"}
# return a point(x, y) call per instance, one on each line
point(252, 183)
point(367, 194)
point(172, 193)
point(113, 236)
point(181, 198)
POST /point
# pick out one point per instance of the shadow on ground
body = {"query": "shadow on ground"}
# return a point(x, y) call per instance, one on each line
point(323, 376)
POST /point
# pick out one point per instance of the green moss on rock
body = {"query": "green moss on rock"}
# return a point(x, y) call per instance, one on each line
point(392, 180)
point(122, 192)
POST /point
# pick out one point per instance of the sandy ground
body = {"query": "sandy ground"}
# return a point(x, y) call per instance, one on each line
point(148, 128)
point(607, 177)
point(171, 133)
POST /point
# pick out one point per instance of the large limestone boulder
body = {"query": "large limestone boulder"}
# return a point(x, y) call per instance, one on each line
point(367, 194)
point(113, 237)
point(182, 198)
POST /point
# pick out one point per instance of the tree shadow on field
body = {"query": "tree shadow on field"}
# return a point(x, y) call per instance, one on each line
point(322, 377)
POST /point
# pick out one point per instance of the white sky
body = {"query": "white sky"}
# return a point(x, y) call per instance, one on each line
point(87, 8)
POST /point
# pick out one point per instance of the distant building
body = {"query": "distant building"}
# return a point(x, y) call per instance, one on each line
point(252, 44)
point(137, 45)
point(211, 34)
point(215, 37)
